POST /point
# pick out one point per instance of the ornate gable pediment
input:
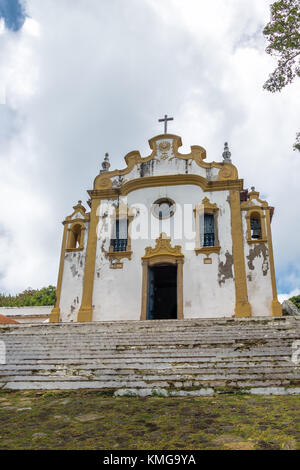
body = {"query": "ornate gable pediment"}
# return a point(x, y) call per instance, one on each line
point(164, 148)
point(254, 202)
point(163, 248)
point(79, 214)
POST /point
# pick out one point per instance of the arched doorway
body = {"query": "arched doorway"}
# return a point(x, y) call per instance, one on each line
point(162, 287)
point(162, 292)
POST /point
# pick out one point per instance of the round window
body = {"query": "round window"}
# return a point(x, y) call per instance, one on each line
point(163, 208)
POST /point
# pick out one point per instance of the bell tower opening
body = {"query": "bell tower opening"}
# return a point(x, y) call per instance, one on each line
point(162, 292)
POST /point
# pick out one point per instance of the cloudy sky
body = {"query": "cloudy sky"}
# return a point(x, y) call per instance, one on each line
point(81, 78)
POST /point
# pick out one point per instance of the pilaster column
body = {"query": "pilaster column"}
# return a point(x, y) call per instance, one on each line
point(144, 290)
point(276, 308)
point(85, 313)
point(55, 312)
point(242, 305)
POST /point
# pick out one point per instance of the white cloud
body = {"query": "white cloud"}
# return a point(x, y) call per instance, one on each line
point(293, 293)
point(96, 76)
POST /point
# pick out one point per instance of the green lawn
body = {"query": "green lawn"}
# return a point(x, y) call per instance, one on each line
point(91, 420)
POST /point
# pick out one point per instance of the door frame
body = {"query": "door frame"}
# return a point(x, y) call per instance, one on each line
point(163, 253)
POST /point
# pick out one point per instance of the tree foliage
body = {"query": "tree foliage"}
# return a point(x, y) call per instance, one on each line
point(297, 143)
point(283, 35)
point(30, 298)
point(296, 300)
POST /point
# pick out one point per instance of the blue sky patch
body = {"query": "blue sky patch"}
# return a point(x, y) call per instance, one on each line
point(13, 13)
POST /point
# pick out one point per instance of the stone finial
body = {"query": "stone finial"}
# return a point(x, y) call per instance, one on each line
point(226, 154)
point(105, 163)
point(79, 207)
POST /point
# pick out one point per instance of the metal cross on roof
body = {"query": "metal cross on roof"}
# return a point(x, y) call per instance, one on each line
point(165, 120)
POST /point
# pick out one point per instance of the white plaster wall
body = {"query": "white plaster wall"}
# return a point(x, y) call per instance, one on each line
point(26, 311)
point(117, 292)
point(72, 282)
point(258, 274)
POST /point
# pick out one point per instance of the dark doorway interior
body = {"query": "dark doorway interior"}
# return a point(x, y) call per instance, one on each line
point(162, 292)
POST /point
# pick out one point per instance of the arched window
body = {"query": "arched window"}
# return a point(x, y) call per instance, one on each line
point(163, 208)
point(255, 225)
point(75, 238)
point(207, 240)
point(209, 230)
point(119, 238)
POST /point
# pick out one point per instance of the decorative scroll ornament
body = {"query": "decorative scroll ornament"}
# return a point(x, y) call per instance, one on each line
point(163, 248)
point(164, 147)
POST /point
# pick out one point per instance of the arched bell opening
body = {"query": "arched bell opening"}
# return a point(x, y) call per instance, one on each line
point(75, 237)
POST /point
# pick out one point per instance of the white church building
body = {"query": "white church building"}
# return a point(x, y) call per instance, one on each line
point(171, 236)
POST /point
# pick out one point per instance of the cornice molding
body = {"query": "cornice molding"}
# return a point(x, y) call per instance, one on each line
point(166, 180)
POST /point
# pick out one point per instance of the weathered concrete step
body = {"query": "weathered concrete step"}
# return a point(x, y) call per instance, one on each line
point(20, 334)
point(166, 366)
point(173, 361)
point(149, 351)
point(251, 339)
point(25, 330)
point(155, 375)
point(113, 385)
point(157, 325)
point(57, 362)
point(152, 353)
point(112, 342)
point(180, 355)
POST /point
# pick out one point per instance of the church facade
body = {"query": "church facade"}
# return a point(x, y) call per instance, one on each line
point(171, 236)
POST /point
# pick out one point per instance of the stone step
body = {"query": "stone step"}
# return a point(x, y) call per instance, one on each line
point(184, 367)
point(171, 355)
point(156, 325)
point(159, 339)
point(62, 335)
point(117, 385)
point(156, 375)
point(149, 353)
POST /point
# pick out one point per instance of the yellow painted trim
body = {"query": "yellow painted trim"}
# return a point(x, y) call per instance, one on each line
point(206, 207)
point(78, 208)
point(85, 313)
point(261, 213)
point(163, 248)
point(207, 250)
point(55, 312)
point(116, 257)
point(242, 305)
point(70, 239)
point(276, 308)
point(250, 204)
point(162, 200)
point(165, 180)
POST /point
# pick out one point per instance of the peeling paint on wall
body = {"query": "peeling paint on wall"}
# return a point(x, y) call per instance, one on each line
point(225, 269)
point(146, 168)
point(259, 250)
point(74, 270)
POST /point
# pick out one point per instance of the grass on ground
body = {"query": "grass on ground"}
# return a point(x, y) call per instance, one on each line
point(93, 420)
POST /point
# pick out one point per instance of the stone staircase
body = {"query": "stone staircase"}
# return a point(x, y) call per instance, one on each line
point(166, 357)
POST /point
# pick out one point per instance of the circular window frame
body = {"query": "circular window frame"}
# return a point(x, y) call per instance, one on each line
point(161, 201)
